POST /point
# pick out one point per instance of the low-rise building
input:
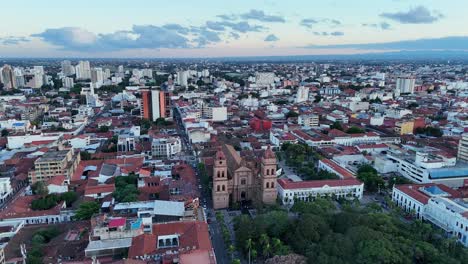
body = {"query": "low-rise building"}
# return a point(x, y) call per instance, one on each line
point(166, 147)
point(436, 203)
point(53, 163)
point(289, 191)
point(333, 167)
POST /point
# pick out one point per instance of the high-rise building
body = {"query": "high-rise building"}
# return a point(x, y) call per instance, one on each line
point(153, 104)
point(405, 85)
point(67, 68)
point(39, 70)
point(182, 78)
point(97, 76)
point(8, 77)
point(83, 70)
point(107, 74)
point(463, 148)
point(302, 94)
point(67, 82)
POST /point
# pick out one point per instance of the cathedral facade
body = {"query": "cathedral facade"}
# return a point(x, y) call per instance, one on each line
point(246, 178)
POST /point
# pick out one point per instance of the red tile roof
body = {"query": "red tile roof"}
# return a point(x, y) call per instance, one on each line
point(103, 188)
point(193, 235)
point(21, 207)
point(144, 244)
point(339, 170)
point(57, 180)
point(413, 190)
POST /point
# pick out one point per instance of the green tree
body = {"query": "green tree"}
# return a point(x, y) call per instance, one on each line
point(249, 246)
point(354, 130)
point(5, 133)
point(231, 250)
point(85, 155)
point(292, 114)
point(336, 125)
point(103, 129)
point(69, 198)
point(39, 188)
point(86, 210)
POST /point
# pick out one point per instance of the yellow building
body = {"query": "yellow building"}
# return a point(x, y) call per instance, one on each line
point(54, 163)
point(404, 127)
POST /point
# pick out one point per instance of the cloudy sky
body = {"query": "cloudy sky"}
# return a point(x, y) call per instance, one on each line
point(214, 28)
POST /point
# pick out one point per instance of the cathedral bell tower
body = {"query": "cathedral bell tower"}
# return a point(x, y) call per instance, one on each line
point(220, 181)
point(268, 177)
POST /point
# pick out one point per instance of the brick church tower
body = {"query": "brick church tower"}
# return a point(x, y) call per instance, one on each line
point(268, 177)
point(220, 181)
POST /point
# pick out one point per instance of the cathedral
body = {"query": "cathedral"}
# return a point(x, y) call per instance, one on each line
point(247, 178)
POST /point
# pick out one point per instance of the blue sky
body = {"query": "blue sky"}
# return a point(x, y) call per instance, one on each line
point(139, 28)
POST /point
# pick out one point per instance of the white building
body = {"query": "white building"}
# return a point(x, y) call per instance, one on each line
point(83, 70)
point(16, 142)
point(302, 94)
point(437, 204)
point(357, 106)
point(463, 148)
point(166, 147)
point(289, 191)
point(424, 167)
point(68, 82)
point(334, 167)
point(309, 120)
point(264, 79)
point(5, 189)
point(16, 125)
point(97, 77)
point(405, 85)
point(182, 78)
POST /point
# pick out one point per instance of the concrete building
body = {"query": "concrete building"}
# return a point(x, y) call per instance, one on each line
point(264, 79)
point(302, 94)
point(182, 78)
point(83, 70)
point(68, 82)
point(463, 148)
point(53, 163)
point(436, 203)
point(404, 127)
point(5, 189)
point(289, 191)
point(309, 120)
point(8, 77)
point(166, 147)
point(154, 104)
point(97, 77)
point(425, 167)
point(405, 85)
point(67, 68)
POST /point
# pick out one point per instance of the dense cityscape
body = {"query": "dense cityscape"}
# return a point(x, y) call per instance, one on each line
point(205, 161)
point(234, 132)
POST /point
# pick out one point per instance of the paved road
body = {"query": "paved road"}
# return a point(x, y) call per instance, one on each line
point(222, 256)
point(288, 172)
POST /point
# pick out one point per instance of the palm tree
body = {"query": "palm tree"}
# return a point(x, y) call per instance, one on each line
point(248, 246)
point(267, 250)
point(276, 245)
point(231, 250)
point(254, 254)
point(264, 239)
